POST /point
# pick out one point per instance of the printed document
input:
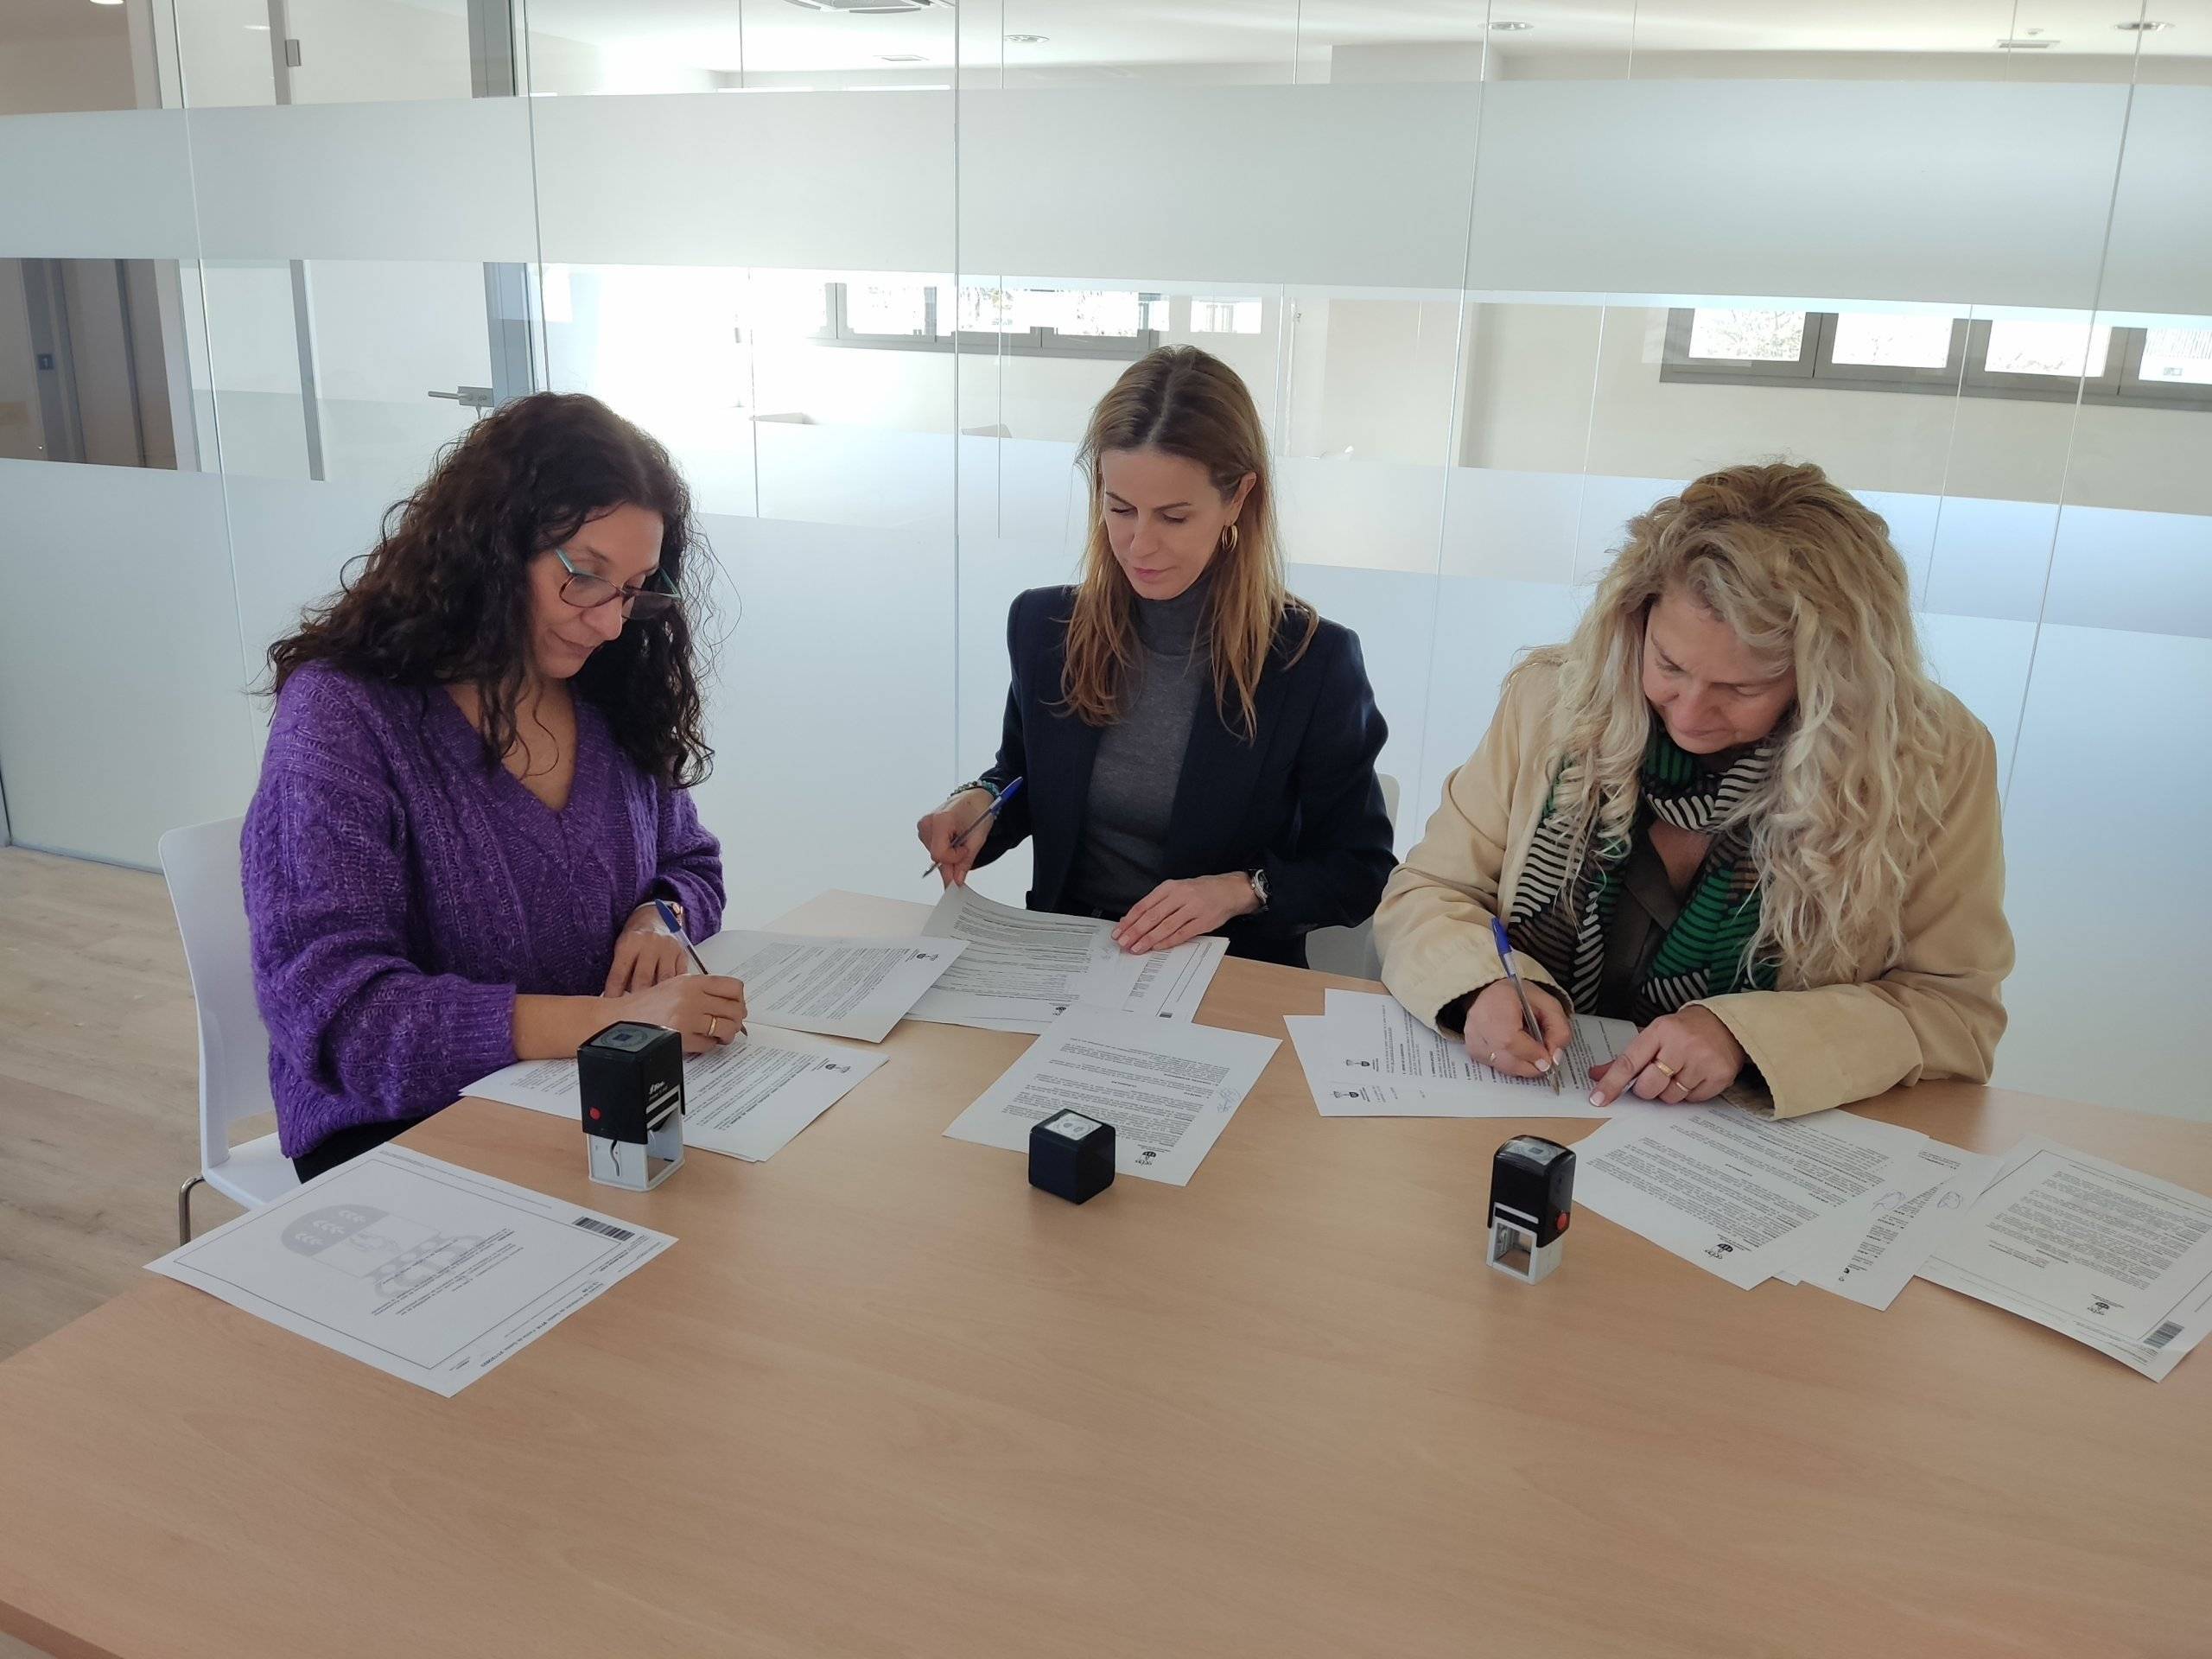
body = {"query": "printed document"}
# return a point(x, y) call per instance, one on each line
point(2117, 1260)
point(1871, 1262)
point(431, 1273)
point(1022, 969)
point(746, 1100)
point(1341, 1091)
point(1368, 1040)
point(841, 988)
point(1168, 1088)
point(1171, 984)
point(1733, 1190)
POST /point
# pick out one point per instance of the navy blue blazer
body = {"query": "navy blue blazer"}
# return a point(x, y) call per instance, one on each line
point(1299, 801)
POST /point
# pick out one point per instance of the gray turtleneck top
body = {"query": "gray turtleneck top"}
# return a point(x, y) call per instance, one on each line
point(1119, 858)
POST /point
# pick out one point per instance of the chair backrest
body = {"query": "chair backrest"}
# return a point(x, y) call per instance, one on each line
point(201, 864)
point(1351, 950)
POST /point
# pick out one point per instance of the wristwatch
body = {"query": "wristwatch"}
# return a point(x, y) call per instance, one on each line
point(1259, 880)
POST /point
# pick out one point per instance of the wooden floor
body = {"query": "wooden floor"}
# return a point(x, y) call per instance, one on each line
point(99, 1088)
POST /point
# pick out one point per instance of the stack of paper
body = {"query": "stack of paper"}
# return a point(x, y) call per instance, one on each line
point(746, 1100)
point(1366, 1056)
point(2119, 1261)
point(1871, 1263)
point(1022, 969)
point(1739, 1193)
point(1168, 1089)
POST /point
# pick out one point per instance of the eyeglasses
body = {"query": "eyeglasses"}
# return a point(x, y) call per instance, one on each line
point(587, 592)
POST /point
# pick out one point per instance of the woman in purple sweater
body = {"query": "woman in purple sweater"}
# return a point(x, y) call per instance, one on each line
point(476, 783)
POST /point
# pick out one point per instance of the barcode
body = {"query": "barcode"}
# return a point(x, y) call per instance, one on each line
point(607, 1227)
point(2165, 1334)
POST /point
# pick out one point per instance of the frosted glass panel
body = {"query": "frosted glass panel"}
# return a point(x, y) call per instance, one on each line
point(831, 715)
point(435, 180)
point(114, 185)
point(2114, 926)
point(291, 541)
point(121, 711)
point(1483, 626)
point(861, 178)
point(1936, 189)
point(2161, 255)
point(1322, 193)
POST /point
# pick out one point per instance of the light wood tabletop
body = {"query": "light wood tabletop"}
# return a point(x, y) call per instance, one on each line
point(883, 1398)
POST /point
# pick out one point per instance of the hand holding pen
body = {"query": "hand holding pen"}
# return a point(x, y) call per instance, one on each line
point(1492, 1003)
point(955, 833)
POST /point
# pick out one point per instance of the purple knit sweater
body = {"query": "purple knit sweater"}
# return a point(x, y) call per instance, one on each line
point(399, 896)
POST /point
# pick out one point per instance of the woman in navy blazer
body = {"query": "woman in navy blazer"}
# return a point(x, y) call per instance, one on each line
point(1197, 744)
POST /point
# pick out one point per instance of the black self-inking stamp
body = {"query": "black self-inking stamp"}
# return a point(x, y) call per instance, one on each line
point(1531, 1196)
point(631, 1080)
point(1072, 1156)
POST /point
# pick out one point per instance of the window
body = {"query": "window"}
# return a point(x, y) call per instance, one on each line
point(1750, 346)
point(1031, 321)
point(2176, 357)
point(1748, 336)
point(1875, 351)
point(1873, 339)
point(1211, 316)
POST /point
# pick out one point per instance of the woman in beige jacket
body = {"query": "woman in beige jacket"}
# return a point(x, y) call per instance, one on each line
point(1733, 808)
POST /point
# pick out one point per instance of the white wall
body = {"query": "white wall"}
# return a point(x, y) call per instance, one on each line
point(91, 72)
point(20, 434)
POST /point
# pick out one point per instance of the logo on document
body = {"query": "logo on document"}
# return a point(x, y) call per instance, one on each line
point(1723, 1249)
point(1150, 1154)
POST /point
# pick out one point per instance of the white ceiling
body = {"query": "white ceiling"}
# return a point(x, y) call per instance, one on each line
point(769, 35)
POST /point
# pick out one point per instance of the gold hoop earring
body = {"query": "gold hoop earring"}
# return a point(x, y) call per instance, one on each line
point(1229, 538)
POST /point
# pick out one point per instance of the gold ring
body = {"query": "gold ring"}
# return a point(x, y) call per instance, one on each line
point(714, 1031)
point(1661, 1065)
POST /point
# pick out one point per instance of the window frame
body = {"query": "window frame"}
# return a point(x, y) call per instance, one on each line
point(2120, 386)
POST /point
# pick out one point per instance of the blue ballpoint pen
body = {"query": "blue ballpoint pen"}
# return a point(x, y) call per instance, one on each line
point(668, 920)
point(1528, 1012)
point(988, 814)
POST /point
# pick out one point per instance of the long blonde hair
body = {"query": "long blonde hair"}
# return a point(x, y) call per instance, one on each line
point(1805, 575)
point(1187, 402)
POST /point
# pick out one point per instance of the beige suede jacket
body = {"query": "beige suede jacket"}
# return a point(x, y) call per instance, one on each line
point(1934, 1012)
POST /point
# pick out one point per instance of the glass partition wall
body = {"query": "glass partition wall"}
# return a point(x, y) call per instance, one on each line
point(1497, 275)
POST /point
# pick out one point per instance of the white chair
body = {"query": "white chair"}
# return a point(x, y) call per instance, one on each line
point(1351, 950)
point(201, 864)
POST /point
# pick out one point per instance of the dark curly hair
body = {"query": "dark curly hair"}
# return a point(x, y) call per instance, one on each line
point(444, 596)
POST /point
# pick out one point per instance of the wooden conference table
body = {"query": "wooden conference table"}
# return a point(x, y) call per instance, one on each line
point(884, 1399)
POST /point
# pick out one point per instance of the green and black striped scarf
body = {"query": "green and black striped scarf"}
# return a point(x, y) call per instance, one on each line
point(1564, 906)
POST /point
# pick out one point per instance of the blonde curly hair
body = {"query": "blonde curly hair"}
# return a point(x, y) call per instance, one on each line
point(1806, 576)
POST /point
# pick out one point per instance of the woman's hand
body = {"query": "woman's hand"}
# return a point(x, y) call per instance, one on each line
point(1498, 1038)
point(705, 1010)
point(1679, 1060)
point(1176, 911)
point(645, 953)
point(936, 831)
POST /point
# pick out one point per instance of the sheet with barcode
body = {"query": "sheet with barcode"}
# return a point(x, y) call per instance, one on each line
point(434, 1274)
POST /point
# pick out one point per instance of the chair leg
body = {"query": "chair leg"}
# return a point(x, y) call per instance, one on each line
point(184, 1210)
